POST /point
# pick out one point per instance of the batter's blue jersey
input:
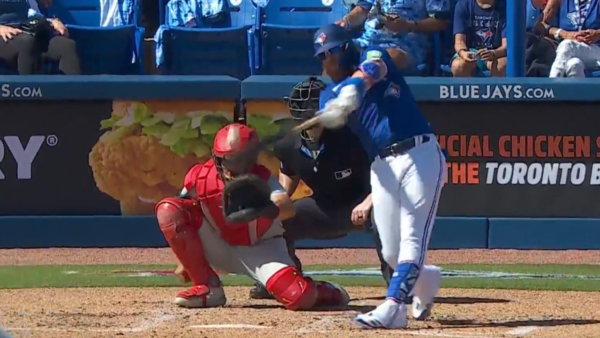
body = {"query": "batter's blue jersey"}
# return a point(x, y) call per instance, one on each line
point(389, 112)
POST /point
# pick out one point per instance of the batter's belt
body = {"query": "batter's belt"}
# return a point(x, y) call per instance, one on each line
point(404, 146)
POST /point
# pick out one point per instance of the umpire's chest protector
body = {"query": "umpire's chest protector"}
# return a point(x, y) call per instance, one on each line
point(209, 191)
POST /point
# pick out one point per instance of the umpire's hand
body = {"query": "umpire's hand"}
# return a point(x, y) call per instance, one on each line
point(360, 214)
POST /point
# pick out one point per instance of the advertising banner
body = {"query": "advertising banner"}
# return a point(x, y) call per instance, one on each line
point(269, 118)
point(520, 159)
point(101, 157)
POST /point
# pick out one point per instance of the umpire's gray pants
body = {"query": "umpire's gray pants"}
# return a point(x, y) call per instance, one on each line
point(315, 222)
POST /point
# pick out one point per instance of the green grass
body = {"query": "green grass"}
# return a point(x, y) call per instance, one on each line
point(580, 269)
point(52, 276)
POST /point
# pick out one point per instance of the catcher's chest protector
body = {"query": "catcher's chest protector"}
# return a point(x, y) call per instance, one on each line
point(209, 191)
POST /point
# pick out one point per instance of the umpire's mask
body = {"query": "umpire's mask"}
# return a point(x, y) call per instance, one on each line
point(303, 102)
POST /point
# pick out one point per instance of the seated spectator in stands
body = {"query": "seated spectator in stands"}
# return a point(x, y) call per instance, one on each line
point(479, 37)
point(24, 48)
point(579, 34)
point(541, 50)
point(403, 27)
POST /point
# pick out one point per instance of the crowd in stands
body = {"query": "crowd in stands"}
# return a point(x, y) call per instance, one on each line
point(460, 38)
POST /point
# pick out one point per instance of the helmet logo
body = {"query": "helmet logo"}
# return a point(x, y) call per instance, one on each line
point(321, 39)
point(233, 137)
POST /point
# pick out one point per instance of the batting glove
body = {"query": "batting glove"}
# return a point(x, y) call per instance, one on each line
point(337, 110)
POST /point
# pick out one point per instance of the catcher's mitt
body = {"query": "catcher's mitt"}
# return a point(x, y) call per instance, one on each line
point(247, 198)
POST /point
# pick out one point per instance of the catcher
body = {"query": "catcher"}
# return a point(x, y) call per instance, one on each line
point(228, 216)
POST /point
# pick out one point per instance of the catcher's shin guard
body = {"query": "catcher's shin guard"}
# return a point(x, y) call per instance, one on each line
point(296, 292)
point(179, 220)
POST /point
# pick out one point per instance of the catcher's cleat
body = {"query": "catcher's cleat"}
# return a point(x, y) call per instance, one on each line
point(201, 296)
point(260, 292)
point(331, 295)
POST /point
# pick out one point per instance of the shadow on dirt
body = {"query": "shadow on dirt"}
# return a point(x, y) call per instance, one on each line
point(452, 300)
point(357, 308)
point(517, 323)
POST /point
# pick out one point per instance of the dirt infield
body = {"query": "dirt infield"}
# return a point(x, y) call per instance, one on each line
point(148, 312)
point(84, 313)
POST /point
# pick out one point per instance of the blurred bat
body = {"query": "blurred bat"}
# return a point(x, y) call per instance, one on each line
point(269, 141)
point(266, 143)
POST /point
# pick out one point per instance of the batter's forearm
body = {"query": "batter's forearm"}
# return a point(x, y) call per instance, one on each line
point(371, 76)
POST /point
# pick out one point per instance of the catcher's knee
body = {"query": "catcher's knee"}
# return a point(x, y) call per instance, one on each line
point(176, 214)
point(292, 290)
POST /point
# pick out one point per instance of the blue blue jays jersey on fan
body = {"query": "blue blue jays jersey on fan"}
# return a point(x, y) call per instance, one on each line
point(575, 15)
point(389, 112)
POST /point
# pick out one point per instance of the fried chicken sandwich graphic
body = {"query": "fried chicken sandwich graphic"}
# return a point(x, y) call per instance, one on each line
point(149, 146)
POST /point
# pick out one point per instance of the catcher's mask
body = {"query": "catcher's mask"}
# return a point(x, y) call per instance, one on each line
point(235, 150)
point(303, 101)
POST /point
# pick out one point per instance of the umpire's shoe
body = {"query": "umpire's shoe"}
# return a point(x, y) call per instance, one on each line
point(260, 292)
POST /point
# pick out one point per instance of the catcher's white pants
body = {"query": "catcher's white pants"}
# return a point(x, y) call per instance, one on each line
point(259, 261)
point(572, 59)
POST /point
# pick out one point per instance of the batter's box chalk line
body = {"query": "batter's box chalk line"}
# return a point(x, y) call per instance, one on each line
point(523, 330)
point(158, 318)
point(230, 326)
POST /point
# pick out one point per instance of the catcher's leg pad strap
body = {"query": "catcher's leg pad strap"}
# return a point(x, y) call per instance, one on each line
point(179, 220)
point(292, 290)
point(403, 281)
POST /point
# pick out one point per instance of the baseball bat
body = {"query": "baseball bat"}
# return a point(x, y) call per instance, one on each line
point(266, 142)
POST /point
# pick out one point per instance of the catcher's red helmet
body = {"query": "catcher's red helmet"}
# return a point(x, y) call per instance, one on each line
point(239, 140)
point(233, 138)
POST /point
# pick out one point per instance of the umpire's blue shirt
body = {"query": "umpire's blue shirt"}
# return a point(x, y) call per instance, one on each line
point(389, 112)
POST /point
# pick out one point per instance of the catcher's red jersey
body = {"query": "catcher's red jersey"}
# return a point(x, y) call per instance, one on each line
point(203, 180)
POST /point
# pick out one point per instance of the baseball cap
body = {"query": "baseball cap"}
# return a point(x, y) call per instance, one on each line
point(329, 37)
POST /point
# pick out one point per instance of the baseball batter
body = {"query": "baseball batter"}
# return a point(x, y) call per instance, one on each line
point(408, 168)
point(225, 221)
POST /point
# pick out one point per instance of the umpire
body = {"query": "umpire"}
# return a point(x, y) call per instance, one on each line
point(334, 165)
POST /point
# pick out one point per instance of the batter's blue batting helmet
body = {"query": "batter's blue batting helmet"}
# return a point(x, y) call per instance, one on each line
point(329, 37)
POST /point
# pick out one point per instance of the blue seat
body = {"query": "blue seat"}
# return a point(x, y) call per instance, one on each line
point(224, 48)
point(286, 35)
point(102, 50)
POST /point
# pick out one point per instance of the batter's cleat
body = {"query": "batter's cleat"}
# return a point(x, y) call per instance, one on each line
point(201, 296)
point(331, 295)
point(389, 315)
point(260, 292)
point(421, 311)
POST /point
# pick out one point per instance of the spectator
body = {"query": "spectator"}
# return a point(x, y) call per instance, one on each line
point(24, 48)
point(541, 50)
point(479, 37)
point(402, 27)
point(579, 34)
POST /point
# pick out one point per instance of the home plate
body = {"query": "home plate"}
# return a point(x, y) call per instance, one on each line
point(229, 326)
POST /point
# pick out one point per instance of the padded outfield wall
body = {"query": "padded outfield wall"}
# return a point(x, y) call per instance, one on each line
point(523, 168)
